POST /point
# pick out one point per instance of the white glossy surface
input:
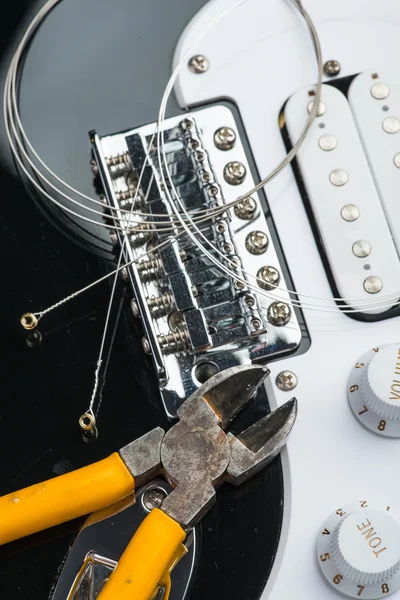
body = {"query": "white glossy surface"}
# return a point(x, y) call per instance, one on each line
point(259, 56)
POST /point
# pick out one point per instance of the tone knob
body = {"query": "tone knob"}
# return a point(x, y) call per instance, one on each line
point(359, 550)
point(374, 390)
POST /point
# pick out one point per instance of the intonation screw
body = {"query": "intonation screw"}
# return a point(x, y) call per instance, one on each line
point(114, 238)
point(150, 267)
point(162, 304)
point(256, 242)
point(199, 64)
point(224, 138)
point(153, 497)
point(174, 341)
point(125, 274)
point(268, 277)
point(120, 159)
point(278, 313)
point(286, 381)
point(245, 209)
point(332, 68)
point(234, 172)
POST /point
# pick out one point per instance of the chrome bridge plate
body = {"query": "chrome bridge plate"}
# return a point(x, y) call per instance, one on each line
point(197, 319)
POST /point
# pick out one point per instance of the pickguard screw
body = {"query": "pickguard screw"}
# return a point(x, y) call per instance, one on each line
point(153, 498)
point(256, 242)
point(268, 277)
point(245, 209)
point(224, 138)
point(332, 68)
point(279, 313)
point(199, 64)
point(234, 172)
point(286, 381)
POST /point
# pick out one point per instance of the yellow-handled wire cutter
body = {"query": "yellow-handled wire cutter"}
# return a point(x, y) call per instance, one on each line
point(195, 456)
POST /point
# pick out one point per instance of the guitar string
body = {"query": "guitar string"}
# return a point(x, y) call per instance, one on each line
point(161, 154)
point(223, 209)
point(257, 289)
point(371, 303)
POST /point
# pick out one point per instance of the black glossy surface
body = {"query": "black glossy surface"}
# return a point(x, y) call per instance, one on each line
point(44, 389)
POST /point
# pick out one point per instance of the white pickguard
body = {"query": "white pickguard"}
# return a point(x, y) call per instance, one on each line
point(260, 54)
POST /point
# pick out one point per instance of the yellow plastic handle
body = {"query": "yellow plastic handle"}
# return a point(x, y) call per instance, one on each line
point(150, 554)
point(64, 498)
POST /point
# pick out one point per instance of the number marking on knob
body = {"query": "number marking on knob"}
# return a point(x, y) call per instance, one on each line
point(363, 551)
point(373, 390)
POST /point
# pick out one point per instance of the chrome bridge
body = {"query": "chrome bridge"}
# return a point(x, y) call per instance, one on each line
point(197, 319)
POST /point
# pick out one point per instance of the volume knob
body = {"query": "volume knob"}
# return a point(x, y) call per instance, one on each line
point(359, 551)
point(374, 390)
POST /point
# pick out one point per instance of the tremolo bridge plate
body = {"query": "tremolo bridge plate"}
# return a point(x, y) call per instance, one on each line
point(197, 319)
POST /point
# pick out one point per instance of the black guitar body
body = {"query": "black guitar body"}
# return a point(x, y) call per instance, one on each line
point(47, 376)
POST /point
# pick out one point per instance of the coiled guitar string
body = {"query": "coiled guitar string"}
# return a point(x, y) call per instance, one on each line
point(183, 219)
point(370, 304)
point(11, 101)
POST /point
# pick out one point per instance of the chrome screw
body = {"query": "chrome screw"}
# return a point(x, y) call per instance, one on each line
point(286, 381)
point(114, 238)
point(125, 274)
point(153, 498)
point(234, 172)
point(332, 68)
point(146, 345)
point(278, 313)
point(256, 242)
point(250, 301)
point(239, 285)
point(245, 209)
point(227, 247)
point(256, 323)
point(221, 227)
point(224, 138)
point(198, 64)
point(135, 308)
point(268, 277)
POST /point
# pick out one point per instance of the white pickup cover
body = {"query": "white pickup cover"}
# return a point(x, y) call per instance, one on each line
point(345, 201)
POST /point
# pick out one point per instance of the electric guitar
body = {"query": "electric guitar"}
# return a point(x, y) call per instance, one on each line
point(309, 284)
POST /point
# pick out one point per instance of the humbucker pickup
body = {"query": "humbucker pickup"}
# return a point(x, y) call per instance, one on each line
point(348, 171)
point(197, 319)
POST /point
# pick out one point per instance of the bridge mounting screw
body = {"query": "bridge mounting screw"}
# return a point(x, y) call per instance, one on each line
point(234, 172)
point(268, 277)
point(224, 138)
point(199, 64)
point(256, 242)
point(278, 313)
